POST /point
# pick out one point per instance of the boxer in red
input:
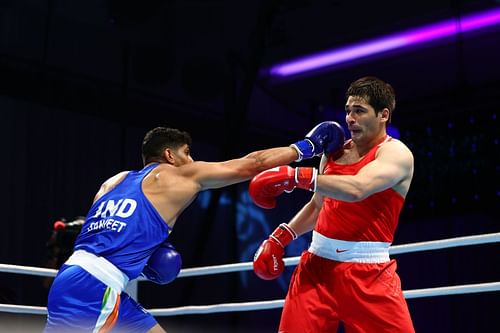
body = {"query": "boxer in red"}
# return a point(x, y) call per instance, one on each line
point(346, 275)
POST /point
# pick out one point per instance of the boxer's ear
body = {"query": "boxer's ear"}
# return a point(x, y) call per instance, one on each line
point(385, 115)
point(169, 156)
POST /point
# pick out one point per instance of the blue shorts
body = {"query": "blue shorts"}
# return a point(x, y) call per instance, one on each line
point(78, 302)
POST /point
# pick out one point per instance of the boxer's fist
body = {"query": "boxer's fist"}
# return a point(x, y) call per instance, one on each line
point(268, 261)
point(271, 183)
point(164, 265)
point(326, 137)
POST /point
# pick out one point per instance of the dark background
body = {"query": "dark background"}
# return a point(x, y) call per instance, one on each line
point(82, 81)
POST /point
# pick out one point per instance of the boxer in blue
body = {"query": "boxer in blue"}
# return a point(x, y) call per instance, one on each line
point(125, 231)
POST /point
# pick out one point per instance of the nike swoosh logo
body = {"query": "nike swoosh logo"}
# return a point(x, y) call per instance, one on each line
point(340, 251)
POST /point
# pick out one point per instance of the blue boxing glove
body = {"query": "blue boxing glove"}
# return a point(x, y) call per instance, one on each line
point(164, 265)
point(326, 137)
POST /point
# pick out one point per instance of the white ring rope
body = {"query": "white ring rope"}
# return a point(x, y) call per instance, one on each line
point(263, 305)
point(27, 309)
point(246, 266)
point(28, 270)
point(445, 243)
point(266, 305)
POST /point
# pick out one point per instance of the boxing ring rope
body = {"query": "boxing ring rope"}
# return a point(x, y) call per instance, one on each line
point(264, 305)
point(274, 304)
point(396, 249)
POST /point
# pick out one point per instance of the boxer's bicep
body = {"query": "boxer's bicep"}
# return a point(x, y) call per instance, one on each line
point(392, 165)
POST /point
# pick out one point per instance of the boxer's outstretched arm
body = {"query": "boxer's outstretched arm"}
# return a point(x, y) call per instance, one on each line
point(219, 174)
point(326, 137)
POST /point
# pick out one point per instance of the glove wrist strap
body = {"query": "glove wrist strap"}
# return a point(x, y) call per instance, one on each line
point(305, 149)
point(283, 235)
point(306, 178)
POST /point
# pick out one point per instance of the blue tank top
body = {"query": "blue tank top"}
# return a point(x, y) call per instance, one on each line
point(123, 226)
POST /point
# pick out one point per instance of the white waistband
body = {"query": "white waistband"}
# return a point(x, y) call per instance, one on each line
point(339, 250)
point(100, 268)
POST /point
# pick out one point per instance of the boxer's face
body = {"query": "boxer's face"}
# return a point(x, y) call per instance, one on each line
point(182, 155)
point(362, 121)
point(178, 156)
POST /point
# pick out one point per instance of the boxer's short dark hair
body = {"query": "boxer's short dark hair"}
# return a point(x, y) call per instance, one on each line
point(160, 138)
point(377, 93)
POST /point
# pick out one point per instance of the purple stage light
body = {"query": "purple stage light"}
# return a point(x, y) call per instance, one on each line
point(394, 41)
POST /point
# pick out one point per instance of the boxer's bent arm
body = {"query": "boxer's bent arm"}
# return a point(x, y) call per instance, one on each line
point(219, 174)
point(392, 166)
point(305, 220)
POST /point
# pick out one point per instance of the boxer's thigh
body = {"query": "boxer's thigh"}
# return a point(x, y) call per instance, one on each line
point(373, 299)
point(309, 305)
point(132, 317)
point(75, 301)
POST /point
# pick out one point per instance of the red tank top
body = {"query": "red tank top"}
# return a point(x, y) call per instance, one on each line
point(372, 219)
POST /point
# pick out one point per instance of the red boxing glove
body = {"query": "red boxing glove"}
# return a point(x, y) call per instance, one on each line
point(268, 261)
point(271, 183)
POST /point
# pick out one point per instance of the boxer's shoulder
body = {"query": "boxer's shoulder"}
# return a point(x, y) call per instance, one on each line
point(394, 147)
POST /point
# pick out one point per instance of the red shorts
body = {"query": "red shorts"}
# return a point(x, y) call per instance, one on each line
point(365, 297)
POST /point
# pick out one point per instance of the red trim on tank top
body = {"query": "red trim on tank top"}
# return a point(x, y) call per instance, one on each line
point(384, 140)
